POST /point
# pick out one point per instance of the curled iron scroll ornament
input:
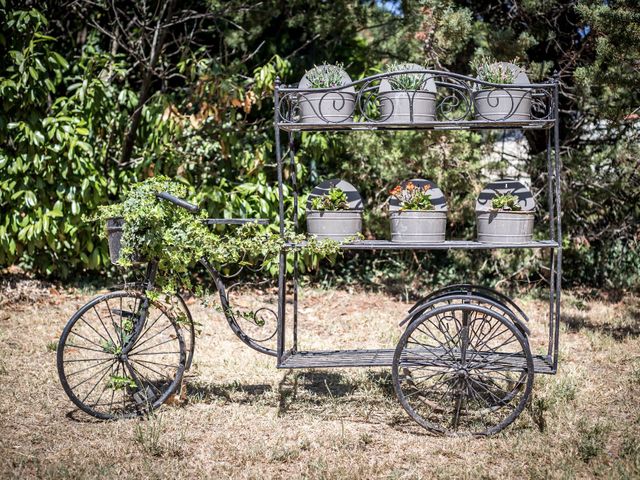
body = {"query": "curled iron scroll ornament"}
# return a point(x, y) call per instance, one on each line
point(256, 327)
point(454, 101)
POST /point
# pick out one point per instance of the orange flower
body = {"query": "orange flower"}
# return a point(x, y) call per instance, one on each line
point(396, 190)
point(410, 187)
point(426, 187)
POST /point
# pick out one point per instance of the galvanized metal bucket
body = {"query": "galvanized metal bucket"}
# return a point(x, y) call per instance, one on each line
point(505, 227)
point(395, 106)
point(335, 225)
point(326, 107)
point(504, 104)
point(413, 226)
point(114, 237)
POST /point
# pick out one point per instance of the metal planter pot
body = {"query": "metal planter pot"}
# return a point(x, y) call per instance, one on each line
point(327, 107)
point(413, 226)
point(505, 227)
point(395, 106)
point(337, 225)
point(506, 104)
point(114, 237)
point(114, 229)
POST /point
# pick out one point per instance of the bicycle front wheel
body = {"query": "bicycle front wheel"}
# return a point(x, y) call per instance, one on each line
point(121, 355)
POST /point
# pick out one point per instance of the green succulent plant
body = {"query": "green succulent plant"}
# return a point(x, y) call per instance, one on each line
point(117, 382)
point(505, 203)
point(326, 76)
point(334, 199)
point(405, 81)
point(488, 69)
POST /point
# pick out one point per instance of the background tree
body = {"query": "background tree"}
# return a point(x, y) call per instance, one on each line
point(99, 94)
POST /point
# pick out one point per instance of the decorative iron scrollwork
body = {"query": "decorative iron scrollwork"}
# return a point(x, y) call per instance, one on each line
point(456, 98)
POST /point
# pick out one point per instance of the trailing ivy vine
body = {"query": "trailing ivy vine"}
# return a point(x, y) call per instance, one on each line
point(177, 239)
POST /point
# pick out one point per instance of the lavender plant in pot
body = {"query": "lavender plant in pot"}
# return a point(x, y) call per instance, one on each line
point(415, 218)
point(330, 104)
point(330, 216)
point(496, 103)
point(407, 97)
point(505, 222)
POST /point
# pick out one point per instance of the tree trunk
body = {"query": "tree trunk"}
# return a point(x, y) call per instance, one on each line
point(156, 47)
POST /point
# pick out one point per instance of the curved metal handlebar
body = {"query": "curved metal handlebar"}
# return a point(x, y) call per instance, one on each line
point(179, 202)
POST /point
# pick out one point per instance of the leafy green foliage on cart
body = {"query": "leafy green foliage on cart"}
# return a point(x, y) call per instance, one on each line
point(178, 239)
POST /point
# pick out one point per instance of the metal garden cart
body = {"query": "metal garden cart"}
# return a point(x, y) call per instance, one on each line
point(463, 364)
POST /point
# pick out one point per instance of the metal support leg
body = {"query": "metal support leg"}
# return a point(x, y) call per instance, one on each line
point(282, 263)
point(558, 167)
point(294, 186)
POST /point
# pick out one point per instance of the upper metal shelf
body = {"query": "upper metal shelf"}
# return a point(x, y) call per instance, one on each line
point(446, 101)
point(452, 125)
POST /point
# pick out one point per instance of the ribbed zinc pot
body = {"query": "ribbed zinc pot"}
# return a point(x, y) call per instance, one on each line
point(418, 226)
point(395, 106)
point(114, 237)
point(509, 104)
point(327, 107)
point(335, 225)
point(505, 227)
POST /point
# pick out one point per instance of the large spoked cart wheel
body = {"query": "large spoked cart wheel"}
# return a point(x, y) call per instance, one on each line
point(121, 355)
point(463, 367)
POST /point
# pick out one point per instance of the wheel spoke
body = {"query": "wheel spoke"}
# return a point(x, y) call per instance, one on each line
point(96, 332)
point(87, 379)
point(98, 382)
point(148, 382)
point(145, 341)
point(150, 327)
point(75, 360)
point(153, 353)
point(103, 325)
point(138, 362)
point(89, 367)
point(154, 346)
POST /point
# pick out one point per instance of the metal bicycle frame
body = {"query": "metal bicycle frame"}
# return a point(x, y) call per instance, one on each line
point(283, 122)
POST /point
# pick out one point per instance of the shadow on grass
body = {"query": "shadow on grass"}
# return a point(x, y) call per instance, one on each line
point(79, 416)
point(235, 392)
point(577, 323)
point(313, 387)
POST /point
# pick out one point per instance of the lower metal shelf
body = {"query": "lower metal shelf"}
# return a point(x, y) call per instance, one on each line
point(384, 358)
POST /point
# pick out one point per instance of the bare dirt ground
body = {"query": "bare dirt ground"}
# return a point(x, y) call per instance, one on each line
point(245, 419)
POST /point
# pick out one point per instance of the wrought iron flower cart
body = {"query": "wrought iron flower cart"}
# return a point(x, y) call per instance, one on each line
point(463, 364)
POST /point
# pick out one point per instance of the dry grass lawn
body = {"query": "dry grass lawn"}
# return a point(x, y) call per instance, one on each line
point(246, 419)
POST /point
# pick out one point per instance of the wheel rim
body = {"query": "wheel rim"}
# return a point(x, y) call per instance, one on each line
point(508, 306)
point(463, 370)
point(108, 371)
point(185, 320)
